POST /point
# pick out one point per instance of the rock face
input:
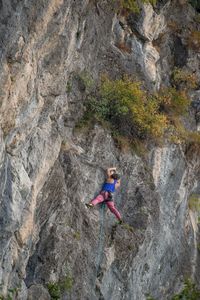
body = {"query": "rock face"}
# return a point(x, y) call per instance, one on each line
point(48, 170)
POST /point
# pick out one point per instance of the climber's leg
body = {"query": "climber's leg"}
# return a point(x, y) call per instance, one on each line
point(113, 209)
point(99, 198)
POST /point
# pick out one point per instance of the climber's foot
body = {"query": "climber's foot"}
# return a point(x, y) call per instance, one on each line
point(90, 205)
point(120, 222)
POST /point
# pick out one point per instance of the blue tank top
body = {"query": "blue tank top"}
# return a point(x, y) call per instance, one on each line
point(109, 187)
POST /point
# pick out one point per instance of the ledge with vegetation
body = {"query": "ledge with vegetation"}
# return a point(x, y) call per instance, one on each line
point(135, 116)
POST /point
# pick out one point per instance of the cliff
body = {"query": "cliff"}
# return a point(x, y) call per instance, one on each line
point(53, 246)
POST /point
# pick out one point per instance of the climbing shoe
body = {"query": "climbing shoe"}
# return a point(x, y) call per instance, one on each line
point(90, 205)
point(120, 222)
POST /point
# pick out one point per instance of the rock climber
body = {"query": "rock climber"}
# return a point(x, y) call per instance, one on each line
point(106, 195)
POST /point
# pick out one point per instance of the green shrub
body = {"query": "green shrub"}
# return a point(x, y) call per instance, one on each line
point(127, 144)
point(150, 298)
point(193, 138)
point(128, 227)
point(77, 235)
point(194, 202)
point(67, 283)
point(12, 294)
point(133, 115)
point(130, 5)
point(192, 141)
point(54, 290)
point(185, 78)
point(86, 80)
point(189, 292)
point(129, 109)
point(180, 135)
point(133, 5)
point(152, 2)
point(173, 102)
point(68, 87)
point(88, 117)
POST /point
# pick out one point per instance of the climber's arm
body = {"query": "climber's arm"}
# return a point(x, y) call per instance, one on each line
point(110, 171)
point(118, 183)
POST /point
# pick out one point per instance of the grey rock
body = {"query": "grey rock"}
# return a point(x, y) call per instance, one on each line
point(49, 170)
point(38, 292)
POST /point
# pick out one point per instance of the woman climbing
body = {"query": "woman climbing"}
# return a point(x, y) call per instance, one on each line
point(106, 194)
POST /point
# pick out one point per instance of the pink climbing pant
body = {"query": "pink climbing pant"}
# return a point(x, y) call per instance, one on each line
point(102, 197)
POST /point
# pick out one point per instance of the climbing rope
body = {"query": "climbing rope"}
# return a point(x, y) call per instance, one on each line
point(100, 246)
